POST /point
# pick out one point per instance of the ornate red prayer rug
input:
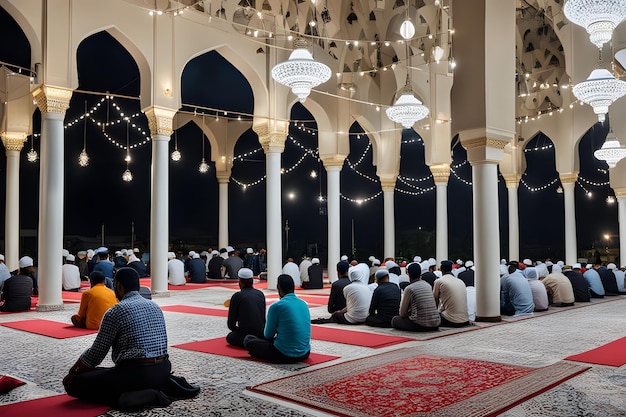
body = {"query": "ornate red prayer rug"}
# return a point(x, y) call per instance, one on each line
point(403, 383)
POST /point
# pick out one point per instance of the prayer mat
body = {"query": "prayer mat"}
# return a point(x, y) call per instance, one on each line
point(311, 301)
point(8, 383)
point(56, 406)
point(405, 383)
point(189, 286)
point(196, 310)
point(219, 346)
point(72, 296)
point(356, 338)
point(49, 328)
point(611, 354)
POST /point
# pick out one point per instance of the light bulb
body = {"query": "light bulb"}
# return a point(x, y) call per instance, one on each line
point(176, 155)
point(407, 29)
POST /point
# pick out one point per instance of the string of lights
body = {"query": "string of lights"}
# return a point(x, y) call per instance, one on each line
point(360, 201)
point(539, 148)
point(362, 157)
point(595, 184)
point(464, 181)
point(353, 168)
point(403, 178)
point(416, 193)
point(538, 188)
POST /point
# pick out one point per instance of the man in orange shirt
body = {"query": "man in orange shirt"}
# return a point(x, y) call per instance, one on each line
point(94, 303)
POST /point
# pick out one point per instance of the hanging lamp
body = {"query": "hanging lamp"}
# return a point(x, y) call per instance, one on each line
point(611, 151)
point(301, 72)
point(204, 167)
point(176, 155)
point(599, 91)
point(127, 175)
point(83, 158)
point(598, 17)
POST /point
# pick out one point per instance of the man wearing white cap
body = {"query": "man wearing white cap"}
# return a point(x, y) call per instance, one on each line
point(17, 290)
point(4, 272)
point(197, 269)
point(595, 283)
point(358, 298)
point(375, 267)
point(385, 303)
point(608, 279)
point(428, 271)
point(467, 276)
point(304, 269)
point(175, 270)
point(579, 283)
point(316, 276)
point(102, 262)
point(252, 261)
point(70, 274)
point(246, 312)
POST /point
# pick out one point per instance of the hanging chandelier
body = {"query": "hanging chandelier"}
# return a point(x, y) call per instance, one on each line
point(598, 17)
point(127, 175)
point(301, 72)
point(204, 167)
point(176, 155)
point(408, 109)
point(600, 90)
point(32, 155)
point(611, 151)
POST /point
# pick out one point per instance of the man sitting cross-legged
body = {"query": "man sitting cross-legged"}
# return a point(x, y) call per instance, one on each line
point(94, 303)
point(246, 312)
point(385, 302)
point(418, 310)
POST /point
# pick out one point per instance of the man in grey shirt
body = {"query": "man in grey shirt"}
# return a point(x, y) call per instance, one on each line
point(232, 264)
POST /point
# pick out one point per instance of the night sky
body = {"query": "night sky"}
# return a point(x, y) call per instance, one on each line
point(97, 196)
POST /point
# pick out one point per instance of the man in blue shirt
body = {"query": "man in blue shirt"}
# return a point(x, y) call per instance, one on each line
point(517, 297)
point(287, 333)
point(134, 329)
point(595, 282)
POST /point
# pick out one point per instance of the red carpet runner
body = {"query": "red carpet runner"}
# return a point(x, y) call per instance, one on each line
point(48, 328)
point(55, 406)
point(401, 383)
point(220, 347)
point(611, 354)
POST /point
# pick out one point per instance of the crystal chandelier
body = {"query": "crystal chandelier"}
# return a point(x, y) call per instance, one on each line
point(301, 72)
point(83, 158)
point(599, 17)
point(176, 155)
point(32, 155)
point(127, 175)
point(611, 151)
point(600, 90)
point(204, 167)
point(408, 109)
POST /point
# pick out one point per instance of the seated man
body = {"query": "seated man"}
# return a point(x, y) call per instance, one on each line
point(135, 330)
point(592, 277)
point(246, 312)
point(579, 283)
point(17, 290)
point(538, 290)
point(516, 296)
point(336, 300)
point(215, 266)
point(358, 297)
point(451, 298)
point(287, 334)
point(291, 268)
point(70, 275)
point(175, 270)
point(197, 269)
point(608, 279)
point(316, 276)
point(385, 302)
point(418, 311)
point(94, 303)
point(559, 288)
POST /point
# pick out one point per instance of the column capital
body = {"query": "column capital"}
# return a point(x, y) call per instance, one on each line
point(160, 120)
point(568, 177)
point(272, 134)
point(484, 142)
point(512, 180)
point(334, 161)
point(388, 183)
point(441, 173)
point(52, 99)
point(223, 179)
point(620, 192)
point(13, 141)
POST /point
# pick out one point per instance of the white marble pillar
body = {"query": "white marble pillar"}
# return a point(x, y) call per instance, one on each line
point(441, 174)
point(568, 181)
point(53, 102)
point(621, 218)
point(222, 238)
point(13, 143)
point(389, 237)
point(160, 123)
point(512, 185)
point(486, 239)
point(333, 171)
point(274, 218)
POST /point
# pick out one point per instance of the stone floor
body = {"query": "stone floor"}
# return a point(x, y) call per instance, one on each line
point(537, 341)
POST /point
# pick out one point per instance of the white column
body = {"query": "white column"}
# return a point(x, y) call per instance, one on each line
point(333, 172)
point(13, 144)
point(160, 124)
point(486, 239)
point(389, 237)
point(569, 183)
point(512, 188)
point(159, 213)
point(621, 218)
point(441, 233)
point(274, 218)
point(222, 238)
point(50, 240)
